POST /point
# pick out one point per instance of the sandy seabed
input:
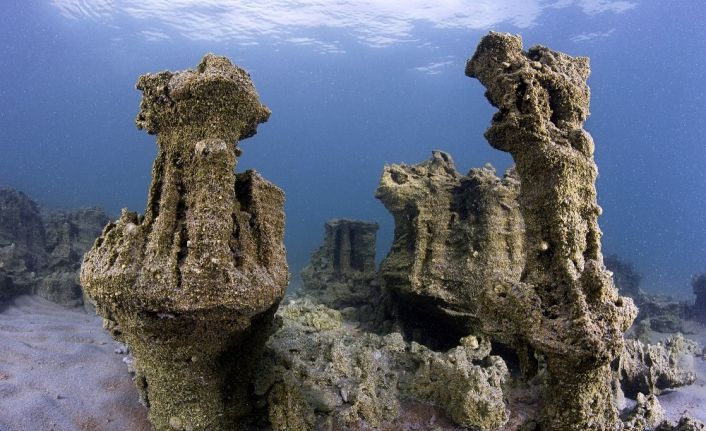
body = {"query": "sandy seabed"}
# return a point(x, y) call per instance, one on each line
point(59, 371)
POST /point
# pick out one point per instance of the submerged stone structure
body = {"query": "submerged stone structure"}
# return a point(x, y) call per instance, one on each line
point(342, 271)
point(698, 283)
point(456, 236)
point(193, 284)
point(41, 250)
point(652, 368)
point(565, 305)
point(320, 373)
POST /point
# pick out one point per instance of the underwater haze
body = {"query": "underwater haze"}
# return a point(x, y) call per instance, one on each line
point(353, 86)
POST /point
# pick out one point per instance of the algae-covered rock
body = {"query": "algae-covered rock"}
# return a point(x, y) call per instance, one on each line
point(652, 368)
point(342, 273)
point(456, 237)
point(192, 285)
point(565, 304)
point(320, 373)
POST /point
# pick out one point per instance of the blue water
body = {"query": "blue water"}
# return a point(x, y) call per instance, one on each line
point(355, 85)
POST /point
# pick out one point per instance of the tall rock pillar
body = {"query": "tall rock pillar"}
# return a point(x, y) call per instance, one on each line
point(193, 284)
point(565, 305)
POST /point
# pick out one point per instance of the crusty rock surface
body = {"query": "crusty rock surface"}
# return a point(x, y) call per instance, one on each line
point(651, 368)
point(192, 285)
point(456, 237)
point(342, 272)
point(565, 304)
point(321, 373)
point(646, 415)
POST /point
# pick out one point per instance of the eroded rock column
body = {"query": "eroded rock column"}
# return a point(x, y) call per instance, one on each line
point(341, 272)
point(456, 237)
point(193, 283)
point(565, 304)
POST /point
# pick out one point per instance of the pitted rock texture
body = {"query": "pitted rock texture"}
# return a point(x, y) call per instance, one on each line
point(342, 272)
point(652, 368)
point(41, 250)
point(565, 304)
point(192, 286)
point(456, 238)
point(321, 373)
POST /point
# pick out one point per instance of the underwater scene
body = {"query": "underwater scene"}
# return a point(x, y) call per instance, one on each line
point(294, 215)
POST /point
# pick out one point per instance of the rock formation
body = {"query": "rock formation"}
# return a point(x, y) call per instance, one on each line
point(22, 239)
point(565, 304)
point(685, 424)
point(455, 237)
point(193, 283)
point(698, 312)
point(321, 374)
point(41, 250)
point(69, 235)
point(342, 273)
point(651, 368)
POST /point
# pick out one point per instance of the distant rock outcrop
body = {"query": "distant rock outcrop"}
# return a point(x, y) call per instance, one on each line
point(193, 284)
point(652, 368)
point(41, 250)
point(698, 310)
point(456, 236)
point(22, 244)
point(342, 272)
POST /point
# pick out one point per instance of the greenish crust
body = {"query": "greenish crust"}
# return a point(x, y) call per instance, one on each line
point(319, 373)
point(565, 305)
point(455, 237)
point(191, 287)
point(342, 272)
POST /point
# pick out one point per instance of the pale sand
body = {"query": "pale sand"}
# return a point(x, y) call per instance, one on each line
point(59, 372)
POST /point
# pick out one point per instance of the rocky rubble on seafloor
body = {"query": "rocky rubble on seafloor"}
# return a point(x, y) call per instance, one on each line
point(192, 286)
point(321, 373)
point(41, 250)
